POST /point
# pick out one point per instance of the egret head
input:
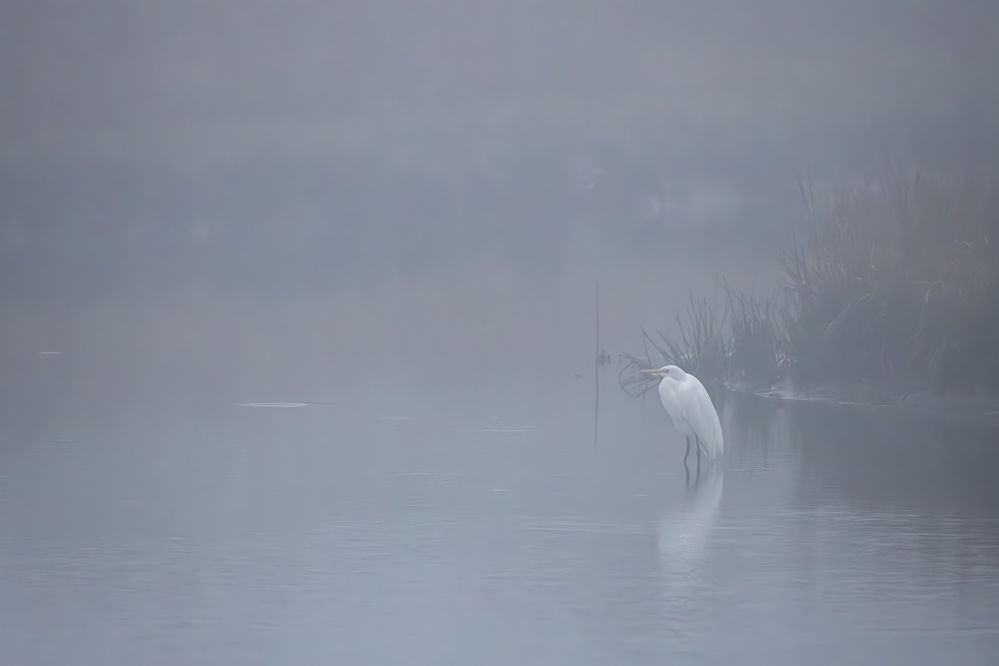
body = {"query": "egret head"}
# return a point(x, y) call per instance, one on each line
point(667, 371)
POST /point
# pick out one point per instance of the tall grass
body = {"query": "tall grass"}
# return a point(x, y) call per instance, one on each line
point(700, 346)
point(892, 284)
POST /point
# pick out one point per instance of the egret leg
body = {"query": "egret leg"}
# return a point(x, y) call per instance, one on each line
point(698, 441)
point(685, 468)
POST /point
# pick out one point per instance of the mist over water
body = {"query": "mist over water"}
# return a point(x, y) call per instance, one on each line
point(492, 532)
point(297, 345)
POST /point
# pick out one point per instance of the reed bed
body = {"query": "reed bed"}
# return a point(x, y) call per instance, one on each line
point(892, 284)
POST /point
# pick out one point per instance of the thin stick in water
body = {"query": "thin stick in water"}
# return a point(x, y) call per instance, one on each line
point(596, 365)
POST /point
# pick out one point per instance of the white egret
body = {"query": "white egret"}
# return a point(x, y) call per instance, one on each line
point(689, 406)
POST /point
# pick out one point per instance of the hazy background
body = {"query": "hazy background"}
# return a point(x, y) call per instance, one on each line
point(297, 187)
point(398, 212)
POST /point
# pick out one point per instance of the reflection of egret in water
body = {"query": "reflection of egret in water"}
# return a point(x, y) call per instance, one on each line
point(683, 532)
point(682, 537)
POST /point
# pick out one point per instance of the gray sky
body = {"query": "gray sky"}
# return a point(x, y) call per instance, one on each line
point(166, 140)
point(195, 84)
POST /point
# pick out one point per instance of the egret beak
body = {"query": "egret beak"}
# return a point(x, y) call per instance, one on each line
point(652, 372)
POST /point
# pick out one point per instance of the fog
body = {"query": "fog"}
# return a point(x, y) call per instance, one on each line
point(298, 327)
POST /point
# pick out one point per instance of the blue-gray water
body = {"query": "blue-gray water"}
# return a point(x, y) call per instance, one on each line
point(466, 530)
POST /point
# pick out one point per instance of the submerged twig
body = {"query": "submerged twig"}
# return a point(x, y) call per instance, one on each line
point(596, 365)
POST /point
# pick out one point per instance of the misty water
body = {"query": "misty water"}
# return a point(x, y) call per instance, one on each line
point(297, 332)
point(456, 526)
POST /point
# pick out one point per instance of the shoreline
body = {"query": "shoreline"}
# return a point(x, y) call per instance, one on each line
point(984, 408)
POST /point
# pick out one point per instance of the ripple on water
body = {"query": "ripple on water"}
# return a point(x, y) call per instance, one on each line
point(278, 405)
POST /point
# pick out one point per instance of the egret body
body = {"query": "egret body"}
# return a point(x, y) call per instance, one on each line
point(689, 406)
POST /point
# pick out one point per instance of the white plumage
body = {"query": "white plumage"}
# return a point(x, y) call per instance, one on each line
point(689, 406)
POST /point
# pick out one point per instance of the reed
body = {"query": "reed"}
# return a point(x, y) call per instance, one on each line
point(892, 284)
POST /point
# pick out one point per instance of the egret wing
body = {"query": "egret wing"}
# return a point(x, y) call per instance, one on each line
point(700, 413)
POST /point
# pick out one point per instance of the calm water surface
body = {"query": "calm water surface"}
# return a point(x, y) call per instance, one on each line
point(461, 530)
